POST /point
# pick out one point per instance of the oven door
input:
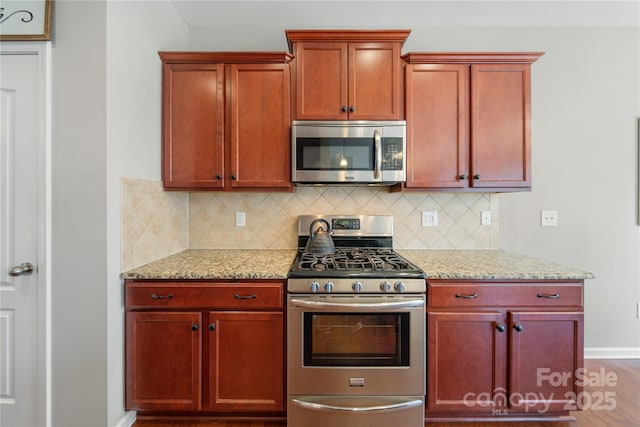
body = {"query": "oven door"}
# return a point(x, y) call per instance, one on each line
point(356, 345)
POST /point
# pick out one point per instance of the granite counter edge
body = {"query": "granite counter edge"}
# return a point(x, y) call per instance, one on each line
point(200, 276)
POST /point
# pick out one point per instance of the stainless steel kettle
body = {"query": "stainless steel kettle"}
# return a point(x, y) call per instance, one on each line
point(320, 241)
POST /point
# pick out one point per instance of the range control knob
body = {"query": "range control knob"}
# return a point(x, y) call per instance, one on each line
point(328, 287)
point(314, 287)
point(357, 286)
point(385, 286)
point(399, 287)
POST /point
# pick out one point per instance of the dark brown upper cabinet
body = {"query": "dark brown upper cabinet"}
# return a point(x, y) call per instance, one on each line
point(347, 75)
point(226, 121)
point(469, 120)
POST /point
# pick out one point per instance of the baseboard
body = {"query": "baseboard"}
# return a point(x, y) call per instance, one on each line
point(612, 353)
point(128, 420)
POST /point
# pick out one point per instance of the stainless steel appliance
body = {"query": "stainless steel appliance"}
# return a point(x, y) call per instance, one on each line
point(348, 152)
point(355, 330)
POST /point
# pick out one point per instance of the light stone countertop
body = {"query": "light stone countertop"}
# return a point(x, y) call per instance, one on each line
point(489, 264)
point(275, 264)
point(218, 264)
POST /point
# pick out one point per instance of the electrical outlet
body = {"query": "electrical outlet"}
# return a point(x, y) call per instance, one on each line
point(429, 218)
point(485, 218)
point(549, 218)
point(241, 219)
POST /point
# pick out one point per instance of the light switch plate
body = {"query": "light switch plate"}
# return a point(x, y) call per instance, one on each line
point(429, 218)
point(549, 218)
point(485, 218)
point(241, 219)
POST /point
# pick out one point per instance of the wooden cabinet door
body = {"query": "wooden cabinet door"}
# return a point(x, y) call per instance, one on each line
point(466, 360)
point(164, 361)
point(546, 351)
point(193, 125)
point(374, 81)
point(321, 81)
point(500, 125)
point(246, 361)
point(348, 81)
point(260, 151)
point(437, 99)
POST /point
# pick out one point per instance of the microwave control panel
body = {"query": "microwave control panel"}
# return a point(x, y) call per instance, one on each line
point(392, 154)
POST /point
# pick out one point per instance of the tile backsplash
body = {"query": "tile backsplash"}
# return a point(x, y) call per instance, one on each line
point(207, 220)
point(154, 223)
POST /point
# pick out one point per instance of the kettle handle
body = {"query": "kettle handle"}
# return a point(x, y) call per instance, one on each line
point(312, 233)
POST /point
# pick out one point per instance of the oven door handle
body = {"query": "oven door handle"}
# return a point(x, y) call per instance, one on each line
point(356, 306)
point(366, 409)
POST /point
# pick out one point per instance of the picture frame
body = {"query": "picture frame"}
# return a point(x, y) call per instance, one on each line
point(25, 20)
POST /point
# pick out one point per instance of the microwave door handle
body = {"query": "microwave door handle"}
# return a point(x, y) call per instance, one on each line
point(377, 167)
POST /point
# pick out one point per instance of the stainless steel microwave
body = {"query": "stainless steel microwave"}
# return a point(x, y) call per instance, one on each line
point(348, 152)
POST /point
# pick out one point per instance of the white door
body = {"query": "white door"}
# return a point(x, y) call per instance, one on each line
point(21, 308)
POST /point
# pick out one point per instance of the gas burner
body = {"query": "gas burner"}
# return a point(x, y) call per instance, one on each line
point(318, 267)
point(353, 259)
point(364, 260)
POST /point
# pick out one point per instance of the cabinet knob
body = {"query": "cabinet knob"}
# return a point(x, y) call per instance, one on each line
point(476, 176)
point(518, 327)
point(218, 176)
point(195, 327)
point(463, 176)
point(352, 109)
point(500, 327)
point(234, 177)
point(212, 326)
point(344, 108)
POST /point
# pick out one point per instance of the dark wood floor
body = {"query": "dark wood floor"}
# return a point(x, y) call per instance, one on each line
point(623, 398)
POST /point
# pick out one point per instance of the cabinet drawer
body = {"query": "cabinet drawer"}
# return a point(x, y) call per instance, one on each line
point(206, 295)
point(504, 294)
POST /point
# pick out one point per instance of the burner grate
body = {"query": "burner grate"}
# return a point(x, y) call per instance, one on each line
point(353, 259)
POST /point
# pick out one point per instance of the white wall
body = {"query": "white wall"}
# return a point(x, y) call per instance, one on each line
point(136, 31)
point(79, 258)
point(105, 124)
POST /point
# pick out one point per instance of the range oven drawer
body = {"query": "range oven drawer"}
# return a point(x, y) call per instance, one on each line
point(359, 411)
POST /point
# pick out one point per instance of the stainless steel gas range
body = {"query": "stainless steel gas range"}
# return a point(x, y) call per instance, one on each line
point(355, 329)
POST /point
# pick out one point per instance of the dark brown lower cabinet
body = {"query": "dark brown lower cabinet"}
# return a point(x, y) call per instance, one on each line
point(205, 347)
point(545, 355)
point(507, 349)
point(246, 362)
point(164, 360)
point(467, 361)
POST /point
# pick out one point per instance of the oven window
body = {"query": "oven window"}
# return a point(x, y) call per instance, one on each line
point(356, 339)
point(335, 153)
